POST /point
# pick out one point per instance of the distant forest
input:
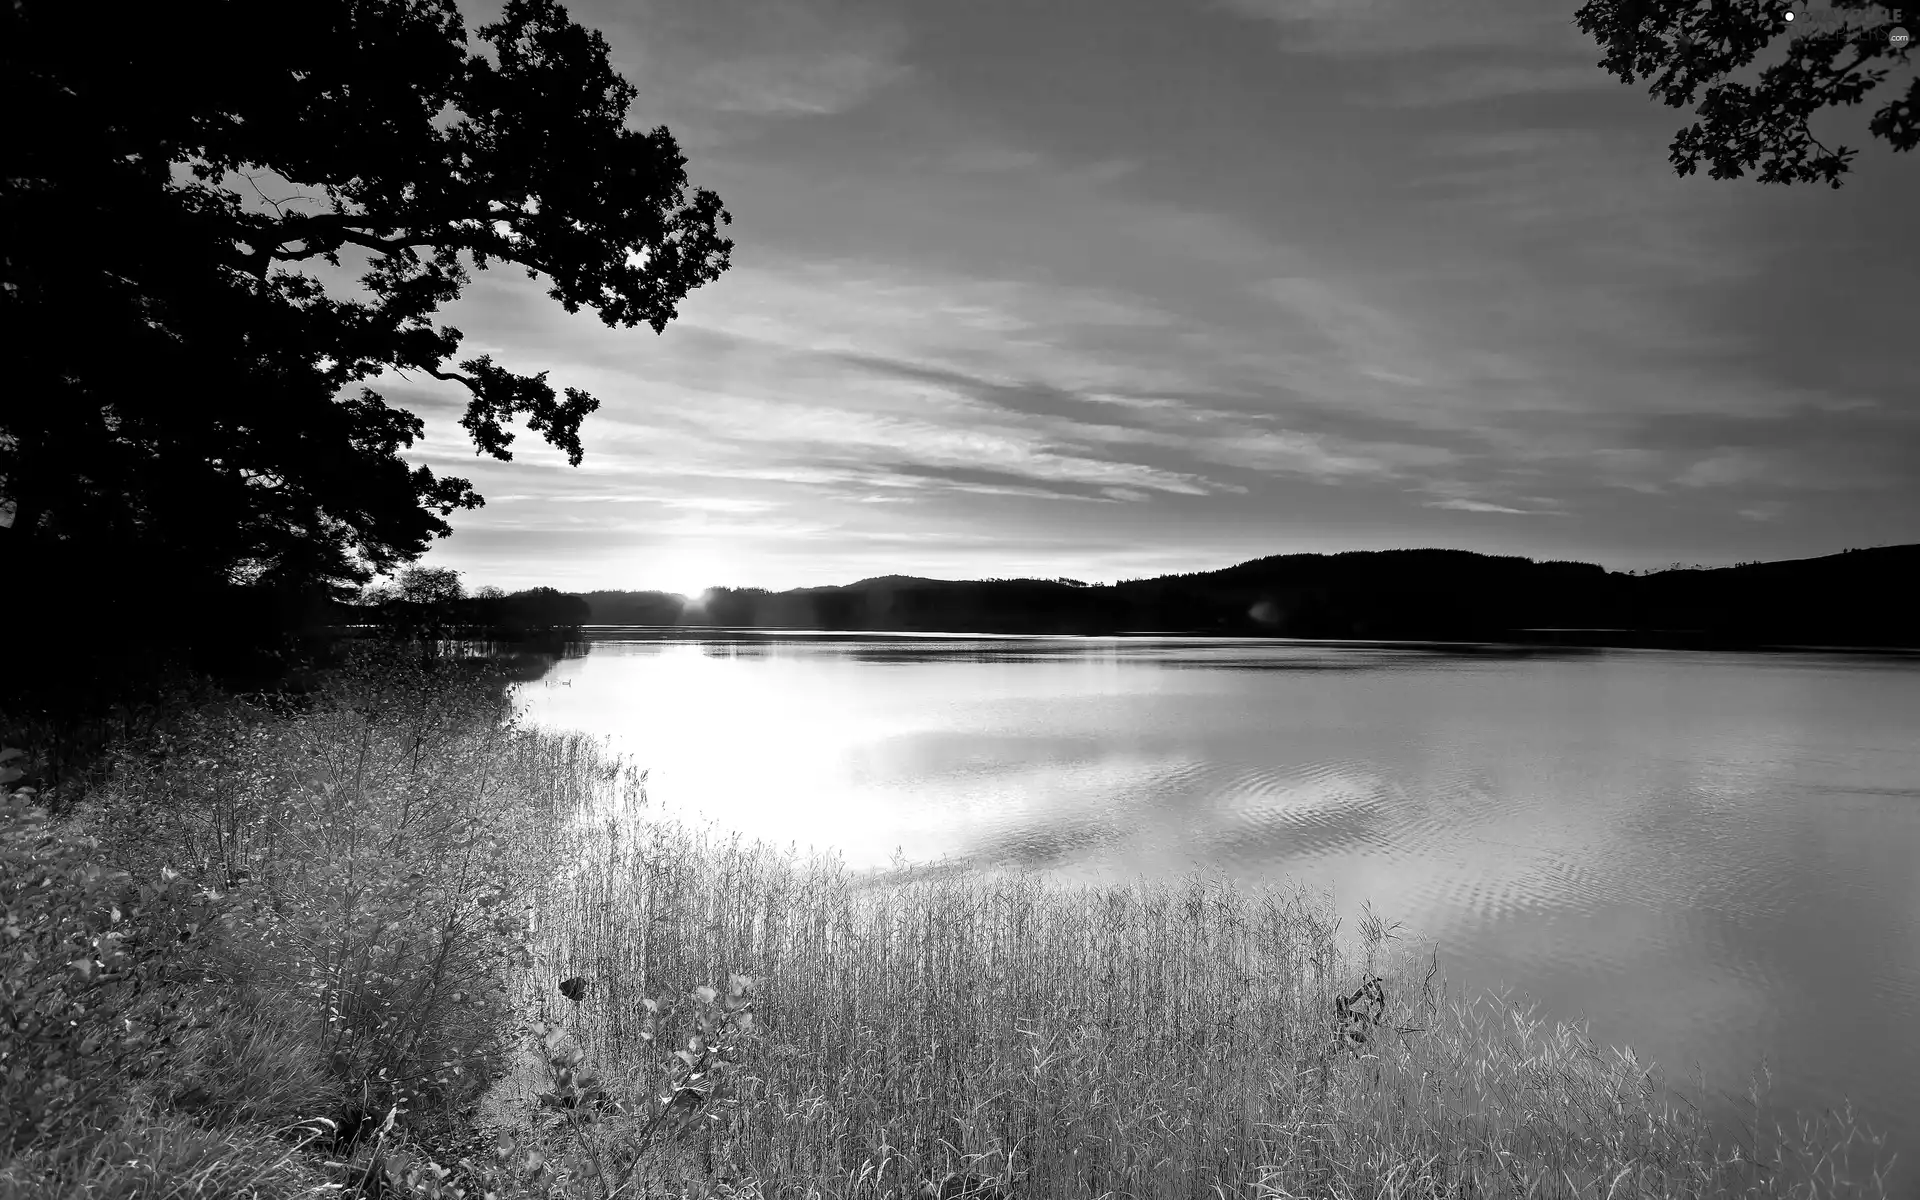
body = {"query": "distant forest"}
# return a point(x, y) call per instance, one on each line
point(1857, 598)
point(430, 602)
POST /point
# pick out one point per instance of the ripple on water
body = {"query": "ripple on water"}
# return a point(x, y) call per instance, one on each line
point(1255, 815)
point(1178, 780)
point(1083, 814)
point(1510, 884)
point(1054, 843)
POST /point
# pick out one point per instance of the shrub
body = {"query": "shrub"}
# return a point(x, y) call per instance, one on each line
point(275, 910)
point(617, 1127)
point(93, 979)
point(374, 841)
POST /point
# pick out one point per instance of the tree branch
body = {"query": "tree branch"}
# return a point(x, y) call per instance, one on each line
point(472, 385)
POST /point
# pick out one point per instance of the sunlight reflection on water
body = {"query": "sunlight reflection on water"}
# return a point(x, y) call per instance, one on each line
point(1712, 856)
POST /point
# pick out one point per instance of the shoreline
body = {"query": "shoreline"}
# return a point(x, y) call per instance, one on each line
point(1144, 1039)
point(1629, 642)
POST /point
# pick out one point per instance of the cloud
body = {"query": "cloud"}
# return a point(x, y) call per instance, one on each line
point(820, 434)
point(1494, 81)
point(782, 84)
point(987, 157)
point(720, 504)
point(1372, 341)
point(705, 68)
point(1482, 506)
point(1315, 457)
point(973, 286)
point(1806, 455)
point(1727, 468)
point(1381, 27)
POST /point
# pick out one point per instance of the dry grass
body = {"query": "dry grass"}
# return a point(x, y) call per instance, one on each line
point(1139, 1040)
point(151, 1155)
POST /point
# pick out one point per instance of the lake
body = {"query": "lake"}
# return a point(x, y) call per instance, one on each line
point(1712, 857)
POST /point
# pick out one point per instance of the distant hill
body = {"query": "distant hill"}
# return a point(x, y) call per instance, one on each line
point(884, 581)
point(1859, 598)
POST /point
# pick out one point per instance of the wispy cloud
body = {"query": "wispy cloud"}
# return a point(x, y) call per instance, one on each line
point(1723, 469)
point(1493, 81)
point(1483, 506)
point(987, 310)
point(704, 70)
point(1319, 458)
point(1377, 27)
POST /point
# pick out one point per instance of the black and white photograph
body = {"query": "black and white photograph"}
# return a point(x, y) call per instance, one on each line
point(994, 599)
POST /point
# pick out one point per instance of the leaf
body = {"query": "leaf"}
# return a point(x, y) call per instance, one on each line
point(704, 994)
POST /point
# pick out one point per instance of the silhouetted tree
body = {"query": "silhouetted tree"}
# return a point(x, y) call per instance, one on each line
point(543, 607)
point(185, 403)
point(430, 585)
point(1686, 49)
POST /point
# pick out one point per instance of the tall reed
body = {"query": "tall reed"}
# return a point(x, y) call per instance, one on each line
point(1018, 1037)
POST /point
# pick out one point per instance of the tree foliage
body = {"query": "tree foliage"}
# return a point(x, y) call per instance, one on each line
point(189, 387)
point(1686, 49)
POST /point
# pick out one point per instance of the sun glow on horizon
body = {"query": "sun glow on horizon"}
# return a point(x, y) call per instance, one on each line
point(691, 571)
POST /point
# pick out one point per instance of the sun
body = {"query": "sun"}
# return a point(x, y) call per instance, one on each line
point(687, 571)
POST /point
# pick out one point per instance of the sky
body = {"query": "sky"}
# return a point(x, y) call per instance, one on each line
point(1115, 288)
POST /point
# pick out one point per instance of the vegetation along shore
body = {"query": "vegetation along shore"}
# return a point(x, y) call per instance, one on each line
point(372, 935)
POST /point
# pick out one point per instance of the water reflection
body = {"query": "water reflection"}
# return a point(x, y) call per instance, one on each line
point(1714, 857)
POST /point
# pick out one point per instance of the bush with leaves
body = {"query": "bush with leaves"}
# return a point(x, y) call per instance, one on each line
point(95, 972)
point(589, 1133)
point(366, 833)
point(394, 926)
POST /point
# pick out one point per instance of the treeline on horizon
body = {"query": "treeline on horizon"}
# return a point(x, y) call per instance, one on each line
point(429, 602)
point(1859, 597)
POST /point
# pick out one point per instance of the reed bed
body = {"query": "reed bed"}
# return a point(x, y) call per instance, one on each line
point(954, 1032)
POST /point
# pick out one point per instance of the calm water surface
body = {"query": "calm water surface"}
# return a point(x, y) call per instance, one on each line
point(1711, 857)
